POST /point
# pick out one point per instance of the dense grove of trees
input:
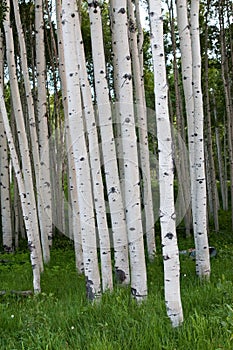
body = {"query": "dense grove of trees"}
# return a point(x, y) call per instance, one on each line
point(100, 111)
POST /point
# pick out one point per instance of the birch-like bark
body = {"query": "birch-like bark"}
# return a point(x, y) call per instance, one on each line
point(200, 198)
point(73, 194)
point(21, 132)
point(179, 136)
point(228, 100)
point(143, 148)
point(33, 132)
point(166, 172)
point(45, 200)
point(75, 124)
point(221, 172)
point(209, 146)
point(186, 65)
point(95, 164)
point(6, 217)
point(113, 187)
point(130, 154)
point(25, 199)
point(74, 208)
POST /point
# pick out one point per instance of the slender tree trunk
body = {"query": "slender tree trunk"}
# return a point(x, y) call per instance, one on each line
point(21, 133)
point(143, 148)
point(227, 94)
point(76, 127)
point(181, 161)
point(221, 168)
point(209, 147)
point(95, 163)
point(75, 225)
point(200, 199)
point(130, 154)
point(166, 172)
point(25, 199)
point(113, 187)
point(45, 201)
point(6, 217)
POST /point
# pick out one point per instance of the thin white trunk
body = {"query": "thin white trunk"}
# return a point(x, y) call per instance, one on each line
point(45, 200)
point(74, 208)
point(113, 188)
point(73, 195)
point(220, 158)
point(76, 127)
point(25, 199)
point(21, 133)
point(143, 147)
point(6, 220)
point(166, 171)
point(200, 198)
point(95, 163)
point(130, 154)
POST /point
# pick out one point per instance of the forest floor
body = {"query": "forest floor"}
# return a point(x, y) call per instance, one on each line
point(61, 318)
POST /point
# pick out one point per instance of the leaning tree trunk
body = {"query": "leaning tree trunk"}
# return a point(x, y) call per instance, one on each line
point(21, 133)
point(25, 199)
point(166, 172)
point(6, 217)
point(76, 127)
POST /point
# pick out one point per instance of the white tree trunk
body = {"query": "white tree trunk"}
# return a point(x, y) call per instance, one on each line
point(191, 69)
point(200, 219)
point(113, 188)
point(25, 199)
point(21, 132)
point(166, 172)
point(130, 154)
point(76, 127)
point(141, 114)
point(95, 164)
point(45, 200)
point(74, 208)
point(75, 226)
point(6, 218)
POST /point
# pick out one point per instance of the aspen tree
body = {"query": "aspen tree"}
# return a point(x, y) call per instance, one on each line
point(95, 164)
point(227, 94)
point(6, 217)
point(210, 154)
point(179, 137)
point(200, 218)
point(32, 129)
point(75, 124)
point(45, 200)
point(74, 219)
point(113, 187)
point(25, 199)
point(191, 69)
point(125, 109)
point(166, 172)
point(22, 136)
point(141, 117)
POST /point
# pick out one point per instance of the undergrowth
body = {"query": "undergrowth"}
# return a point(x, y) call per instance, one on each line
point(61, 318)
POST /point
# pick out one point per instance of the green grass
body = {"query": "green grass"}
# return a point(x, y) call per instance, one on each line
point(61, 318)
